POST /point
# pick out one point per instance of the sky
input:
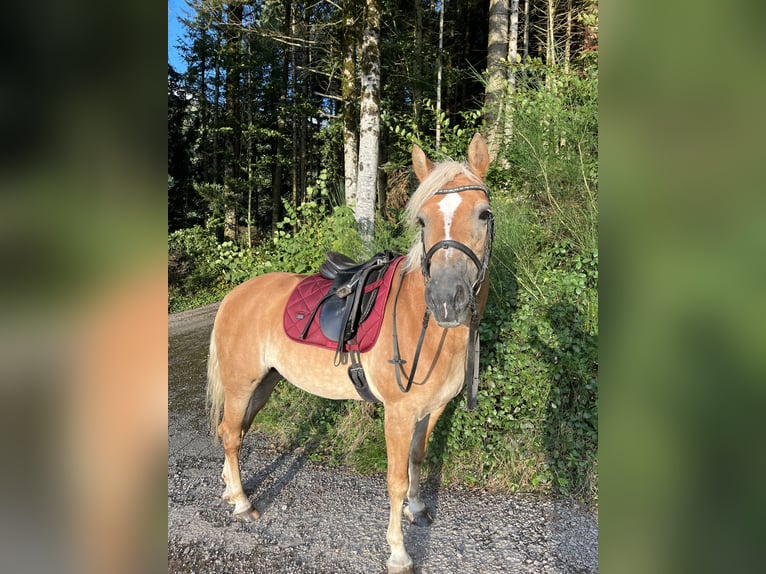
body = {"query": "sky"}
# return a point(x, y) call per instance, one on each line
point(175, 31)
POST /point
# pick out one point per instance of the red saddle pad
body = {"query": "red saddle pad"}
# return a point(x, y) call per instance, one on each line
point(307, 294)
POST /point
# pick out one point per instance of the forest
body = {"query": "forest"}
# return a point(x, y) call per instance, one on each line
point(289, 134)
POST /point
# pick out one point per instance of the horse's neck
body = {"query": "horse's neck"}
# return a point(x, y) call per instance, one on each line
point(413, 297)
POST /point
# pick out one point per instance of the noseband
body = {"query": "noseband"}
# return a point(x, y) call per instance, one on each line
point(472, 371)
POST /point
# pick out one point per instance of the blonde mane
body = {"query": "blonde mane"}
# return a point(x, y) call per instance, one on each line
point(439, 177)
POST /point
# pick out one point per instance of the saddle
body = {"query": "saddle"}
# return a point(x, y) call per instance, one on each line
point(342, 308)
point(351, 296)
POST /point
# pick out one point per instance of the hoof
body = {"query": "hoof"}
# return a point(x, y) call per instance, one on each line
point(421, 518)
point(249, 515)
point(400, 564)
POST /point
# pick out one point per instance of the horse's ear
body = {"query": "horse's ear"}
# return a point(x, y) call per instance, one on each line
point(420, 163)
point(478, 156)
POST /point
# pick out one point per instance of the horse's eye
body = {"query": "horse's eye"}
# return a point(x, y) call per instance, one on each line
point(485, 215)
point(420, 221)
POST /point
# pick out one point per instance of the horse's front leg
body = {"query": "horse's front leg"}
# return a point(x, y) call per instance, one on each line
point(416, 511)
point(399, 428)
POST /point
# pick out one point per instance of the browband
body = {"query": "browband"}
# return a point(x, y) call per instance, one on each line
point(460, 188)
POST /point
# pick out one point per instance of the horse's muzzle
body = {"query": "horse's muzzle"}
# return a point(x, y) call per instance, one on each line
point(448, 296)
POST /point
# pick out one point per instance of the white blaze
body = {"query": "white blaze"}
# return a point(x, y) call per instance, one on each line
point(448, 206)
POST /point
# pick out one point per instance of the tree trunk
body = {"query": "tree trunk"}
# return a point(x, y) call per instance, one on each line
point(369, 124)
point(513, 45)
point(216, 110)
point(249, 144)
point(203, 107)
point(230, 217)
point(497, 51)
point(295, 115)
point(417, 63)
point(550, 43)
point(276, 183)
point(568, 38)
point(349, 97)
point(276, 177)
point(525, 55)
point(382, 181)
point(250, 204)
point(233, 138)
point(513, 54)
point(439, 66)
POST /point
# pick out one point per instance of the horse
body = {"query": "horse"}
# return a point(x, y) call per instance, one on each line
point(443, 276)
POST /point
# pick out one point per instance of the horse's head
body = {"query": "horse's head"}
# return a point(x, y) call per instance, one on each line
point(451, 206)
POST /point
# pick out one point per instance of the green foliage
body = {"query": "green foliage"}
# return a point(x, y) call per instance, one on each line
point(234, 264)
point(201, 270)
point(551, 158)
point(456, 131)
point(312, 229)
point(190, 272)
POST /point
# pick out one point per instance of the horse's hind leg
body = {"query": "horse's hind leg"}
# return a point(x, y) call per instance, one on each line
point(416, 511)
point(239, 410)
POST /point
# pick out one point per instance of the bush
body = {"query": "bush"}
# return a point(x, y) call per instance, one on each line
point(191, 273)
point(201, 270)
point(308, 232)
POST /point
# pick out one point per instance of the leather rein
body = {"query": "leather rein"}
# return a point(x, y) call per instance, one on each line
point(472, 366)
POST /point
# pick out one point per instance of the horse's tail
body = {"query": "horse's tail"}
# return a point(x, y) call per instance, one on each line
point(215, 393)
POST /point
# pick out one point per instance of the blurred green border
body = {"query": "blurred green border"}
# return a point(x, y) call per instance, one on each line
point(683, 286)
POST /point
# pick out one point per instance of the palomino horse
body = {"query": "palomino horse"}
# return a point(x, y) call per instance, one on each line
point(444, 276)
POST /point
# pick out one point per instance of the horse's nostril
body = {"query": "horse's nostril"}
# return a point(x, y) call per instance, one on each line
point(461, 297)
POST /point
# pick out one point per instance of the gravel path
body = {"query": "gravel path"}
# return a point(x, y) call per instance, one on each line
point(326, 521)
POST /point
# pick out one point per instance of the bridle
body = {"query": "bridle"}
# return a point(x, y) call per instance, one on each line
point(472, 370)
point(481, 266)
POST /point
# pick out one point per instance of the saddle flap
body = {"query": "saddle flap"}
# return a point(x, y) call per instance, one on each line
point(335, 318)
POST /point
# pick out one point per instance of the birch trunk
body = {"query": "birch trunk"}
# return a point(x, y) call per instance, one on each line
point(513, 55)
point(568, 38)
point(497, 51)
point(348, 94)
point(525, 54)
point(513, 45)
point(369, 124)
point(550, 44)
point(439, 75)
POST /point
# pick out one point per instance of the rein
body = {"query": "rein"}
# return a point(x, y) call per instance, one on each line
point(472, 365)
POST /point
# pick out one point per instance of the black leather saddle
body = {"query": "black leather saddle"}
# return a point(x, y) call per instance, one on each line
point(348, 302)
point(338, 264)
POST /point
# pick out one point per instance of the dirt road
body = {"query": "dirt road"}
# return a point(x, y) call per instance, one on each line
point(326, 521)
